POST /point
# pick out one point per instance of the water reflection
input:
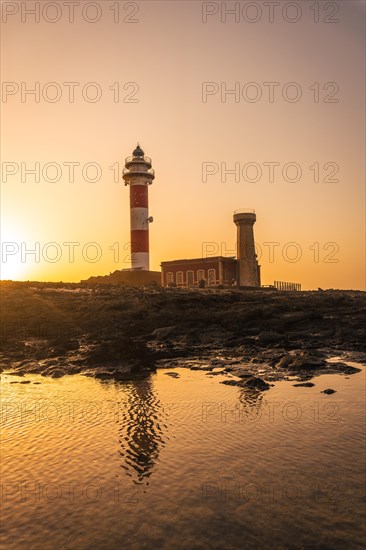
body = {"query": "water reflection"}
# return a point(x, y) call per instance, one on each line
point(142, 430)
point(251, 403)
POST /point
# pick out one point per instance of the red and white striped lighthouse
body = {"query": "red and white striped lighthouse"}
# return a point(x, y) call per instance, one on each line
point(138, 174)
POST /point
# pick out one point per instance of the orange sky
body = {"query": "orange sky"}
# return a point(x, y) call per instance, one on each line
point(169, 52)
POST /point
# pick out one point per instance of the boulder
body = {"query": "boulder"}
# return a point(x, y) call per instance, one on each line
point(164, 332)
point(306, 362)
point(249, 381)
point(269, 336)
point(57, 373)
point(301, 361)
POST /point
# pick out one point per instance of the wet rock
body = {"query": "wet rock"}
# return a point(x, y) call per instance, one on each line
point(252, 331)
point(49, 362)
point(202, 367)
point(231, 382)
point(304, 385)
point(301, 361)
point(342, 368)
point(296, 316)
point(119, 355)
point(267, 337)
point(121, 374)
point(357, 357)
point(248, 382)
point(58, 373)
point(284, 362)
point(61, 347)
point(28, 367)
point(328, 391)
point(164, 332)
point(257, 383)
point(306, 362)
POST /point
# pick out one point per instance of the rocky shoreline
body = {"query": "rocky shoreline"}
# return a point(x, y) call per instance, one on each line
point(121, 333)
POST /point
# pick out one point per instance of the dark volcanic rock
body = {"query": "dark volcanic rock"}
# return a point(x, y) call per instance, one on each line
point(268, 337)
point(119, 331)
point(249, 382)
point(257, 383)
point(57, 373)
point(329, 391)
point(284, 362)
point(301, 361)
point(304, 385)
point(306, 363)
point(293, 317)
point(164, 332)
point(342, 368)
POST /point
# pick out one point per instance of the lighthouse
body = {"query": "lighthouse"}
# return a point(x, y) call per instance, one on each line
point(138, 174)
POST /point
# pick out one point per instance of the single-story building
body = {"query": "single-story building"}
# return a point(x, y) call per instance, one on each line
point(216, 270)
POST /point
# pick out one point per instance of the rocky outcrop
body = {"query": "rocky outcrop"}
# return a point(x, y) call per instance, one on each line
point(112, 331)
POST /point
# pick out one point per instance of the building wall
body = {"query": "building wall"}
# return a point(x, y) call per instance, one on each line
point(214, 271)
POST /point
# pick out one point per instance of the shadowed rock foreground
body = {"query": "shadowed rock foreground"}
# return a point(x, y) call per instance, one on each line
point(120, 333)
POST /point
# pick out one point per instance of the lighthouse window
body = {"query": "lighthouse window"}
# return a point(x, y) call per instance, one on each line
point(179, 278)
point(190, 278)
point(211, 276)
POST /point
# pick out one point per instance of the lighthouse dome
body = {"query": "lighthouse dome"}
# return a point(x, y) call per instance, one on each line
point(138, 152)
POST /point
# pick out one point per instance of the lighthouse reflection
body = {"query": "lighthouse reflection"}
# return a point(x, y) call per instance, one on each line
point(251, 403)
point(142, 429)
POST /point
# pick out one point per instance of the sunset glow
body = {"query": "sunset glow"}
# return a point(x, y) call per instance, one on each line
point(198, 97)
point(182, 274)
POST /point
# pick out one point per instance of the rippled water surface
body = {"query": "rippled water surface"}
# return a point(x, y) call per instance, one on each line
point(181, 461)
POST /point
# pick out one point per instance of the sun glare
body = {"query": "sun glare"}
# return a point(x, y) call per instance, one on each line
point(12, 265)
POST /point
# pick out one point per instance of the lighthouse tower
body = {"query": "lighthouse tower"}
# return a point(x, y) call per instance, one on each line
point(138, 174)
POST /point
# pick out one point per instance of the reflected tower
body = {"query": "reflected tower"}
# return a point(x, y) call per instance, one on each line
point(142, 430)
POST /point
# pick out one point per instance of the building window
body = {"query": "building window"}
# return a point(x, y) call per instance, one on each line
point(190, 278)
point(212, 276)
point(169, 278)
point(179, 278)
point(200, 275)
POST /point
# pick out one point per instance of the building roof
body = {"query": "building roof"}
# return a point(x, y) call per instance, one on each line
point(199, 260)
